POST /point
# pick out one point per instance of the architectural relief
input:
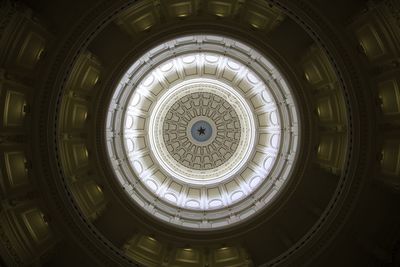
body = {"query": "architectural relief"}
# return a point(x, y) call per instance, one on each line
point(194, 142)
point(203, 131)
point(192, 133)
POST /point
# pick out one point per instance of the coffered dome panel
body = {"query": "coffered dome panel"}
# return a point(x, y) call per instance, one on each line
point(209, 124)
point(198, 132)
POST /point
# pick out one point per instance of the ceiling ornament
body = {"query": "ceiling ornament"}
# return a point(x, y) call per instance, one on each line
point(202, 132)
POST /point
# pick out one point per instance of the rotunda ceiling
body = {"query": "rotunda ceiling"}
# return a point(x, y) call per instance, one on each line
point(160, 133)
point(131, 142)
point(209, 125)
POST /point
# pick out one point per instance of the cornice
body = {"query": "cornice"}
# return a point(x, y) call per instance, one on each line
point(192, 27)
point(360, 138)
point(85, 234)
point(350, 182)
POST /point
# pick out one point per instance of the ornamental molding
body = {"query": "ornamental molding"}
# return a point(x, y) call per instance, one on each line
point(147, 166)
point(91, 24)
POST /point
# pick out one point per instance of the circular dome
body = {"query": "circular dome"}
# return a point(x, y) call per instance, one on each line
point(218, 153)
point(203, 131)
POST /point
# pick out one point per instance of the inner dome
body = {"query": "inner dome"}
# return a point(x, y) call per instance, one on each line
point(169, 131)
point(208, 129)
point(200, 124)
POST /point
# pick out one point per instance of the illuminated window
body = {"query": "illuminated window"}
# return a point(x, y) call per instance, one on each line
point(202, 131)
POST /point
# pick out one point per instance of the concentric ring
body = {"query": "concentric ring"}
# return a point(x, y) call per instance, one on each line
point(222, 158)
point(253, 122)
